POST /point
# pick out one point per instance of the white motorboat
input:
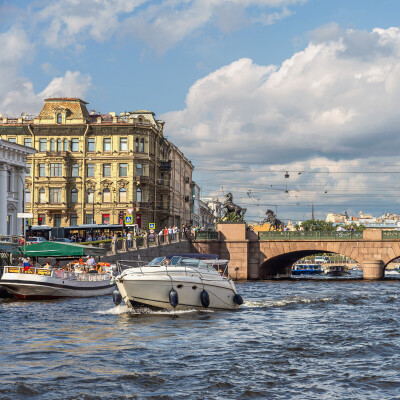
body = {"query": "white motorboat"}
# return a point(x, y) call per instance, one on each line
point(179, 283)
point(47, 283)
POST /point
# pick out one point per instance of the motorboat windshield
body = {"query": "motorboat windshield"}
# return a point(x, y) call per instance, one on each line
point(156, 261)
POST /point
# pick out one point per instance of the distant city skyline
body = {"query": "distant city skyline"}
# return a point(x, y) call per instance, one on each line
point(250, 91)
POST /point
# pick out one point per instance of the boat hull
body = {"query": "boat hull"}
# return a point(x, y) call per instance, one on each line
point(154, 292)
point(23, 286)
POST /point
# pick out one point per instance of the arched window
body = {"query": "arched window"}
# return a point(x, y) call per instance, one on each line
point(138, 195)
point(59, 145)
point(90, 196)
point(142, 145)
point(74, 195)
point(59, 119)
point(42, 198)
point(27, 196)
point(122, 195)
point(66, 145)
point(106, 195)
point(137, 145)
point(52, 145)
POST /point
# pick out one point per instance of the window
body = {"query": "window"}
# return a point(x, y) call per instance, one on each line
point(57, 220)
point(27, 196)
point(59, 119)
point(89, 219)
point(9, 183)
point(29, 168)
point(74, 195)
point(123, 144)
point(139, 170)
point(139, 195)
point(42, 170)
point(75, 145)
point(55, 195)
point(52, 145)
point(123, 169)
point(66, 145)
point(90, 196)
point(122, 195)
point(142, 145)
point(12, 140)
point(106, 170)
point(73, 220)
point(59, 148)
point(42, 144)
point(106, 144)
point(75, 170)
point(28, 142)
point(90, 144)
point(42, 196)
point(106, 219)
point(106, 195)
point(56, 169)
point(90, 170)
point(137, 145)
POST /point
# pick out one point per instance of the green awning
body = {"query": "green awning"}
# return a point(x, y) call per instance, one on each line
point(60, 249)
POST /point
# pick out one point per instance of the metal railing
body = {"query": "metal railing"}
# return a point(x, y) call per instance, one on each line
point(316, 235)
point(390, 234)
point(206, 235)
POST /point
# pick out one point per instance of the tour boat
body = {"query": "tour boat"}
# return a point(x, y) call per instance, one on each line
point(46, 283)
point(179, 283)
point(306, 269)
point(336, 270)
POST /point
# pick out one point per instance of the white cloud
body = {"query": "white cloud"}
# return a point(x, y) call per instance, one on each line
point(336, 100)
point(159, 24)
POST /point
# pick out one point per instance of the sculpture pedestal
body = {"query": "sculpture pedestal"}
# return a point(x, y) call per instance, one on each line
point(234, 247)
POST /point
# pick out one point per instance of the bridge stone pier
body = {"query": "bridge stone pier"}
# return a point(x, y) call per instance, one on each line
point(272, 254)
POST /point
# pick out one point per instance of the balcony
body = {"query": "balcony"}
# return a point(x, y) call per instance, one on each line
point(165, 166)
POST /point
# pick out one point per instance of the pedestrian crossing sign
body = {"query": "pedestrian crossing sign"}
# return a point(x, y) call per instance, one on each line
point(128, 219)
point(152, 225)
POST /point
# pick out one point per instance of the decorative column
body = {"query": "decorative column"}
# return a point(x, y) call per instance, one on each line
point(3, 199)
point(373, 269)
point(20, 175)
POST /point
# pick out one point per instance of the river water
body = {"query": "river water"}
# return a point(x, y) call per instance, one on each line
point(297, 339)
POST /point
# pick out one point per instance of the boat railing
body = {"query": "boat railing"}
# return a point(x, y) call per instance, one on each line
point(56, 273)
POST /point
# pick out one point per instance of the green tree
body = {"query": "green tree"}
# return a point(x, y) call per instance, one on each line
point(317, 225)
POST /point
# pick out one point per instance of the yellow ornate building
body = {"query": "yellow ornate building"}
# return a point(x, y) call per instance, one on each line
point(90, 167)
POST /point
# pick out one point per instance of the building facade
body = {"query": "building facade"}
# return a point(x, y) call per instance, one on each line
point(13, 168)
point(181, 188)
point(91, 167)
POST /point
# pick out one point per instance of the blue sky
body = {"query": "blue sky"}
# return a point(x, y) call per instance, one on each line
point(249, 89)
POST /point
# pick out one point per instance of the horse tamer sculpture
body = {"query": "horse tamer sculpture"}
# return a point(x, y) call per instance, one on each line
point(232, 212)
point(275, 223)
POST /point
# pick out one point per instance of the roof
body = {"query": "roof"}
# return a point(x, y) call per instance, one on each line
point(76, 108)
point(65, 99)
point(60, 249)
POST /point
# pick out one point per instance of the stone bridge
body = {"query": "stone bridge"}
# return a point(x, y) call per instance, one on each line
point(272, 254)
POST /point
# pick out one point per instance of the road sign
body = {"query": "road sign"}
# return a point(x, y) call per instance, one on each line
point(129, 211)
point(152, 225)
point(25, 215)
point(128, 219)
point(151, 230)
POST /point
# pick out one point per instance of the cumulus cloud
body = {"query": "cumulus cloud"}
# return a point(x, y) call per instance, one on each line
point(337, 100)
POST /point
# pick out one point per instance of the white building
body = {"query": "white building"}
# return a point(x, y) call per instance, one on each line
point(196, 217)
point(12, 182)
point(215, 205)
